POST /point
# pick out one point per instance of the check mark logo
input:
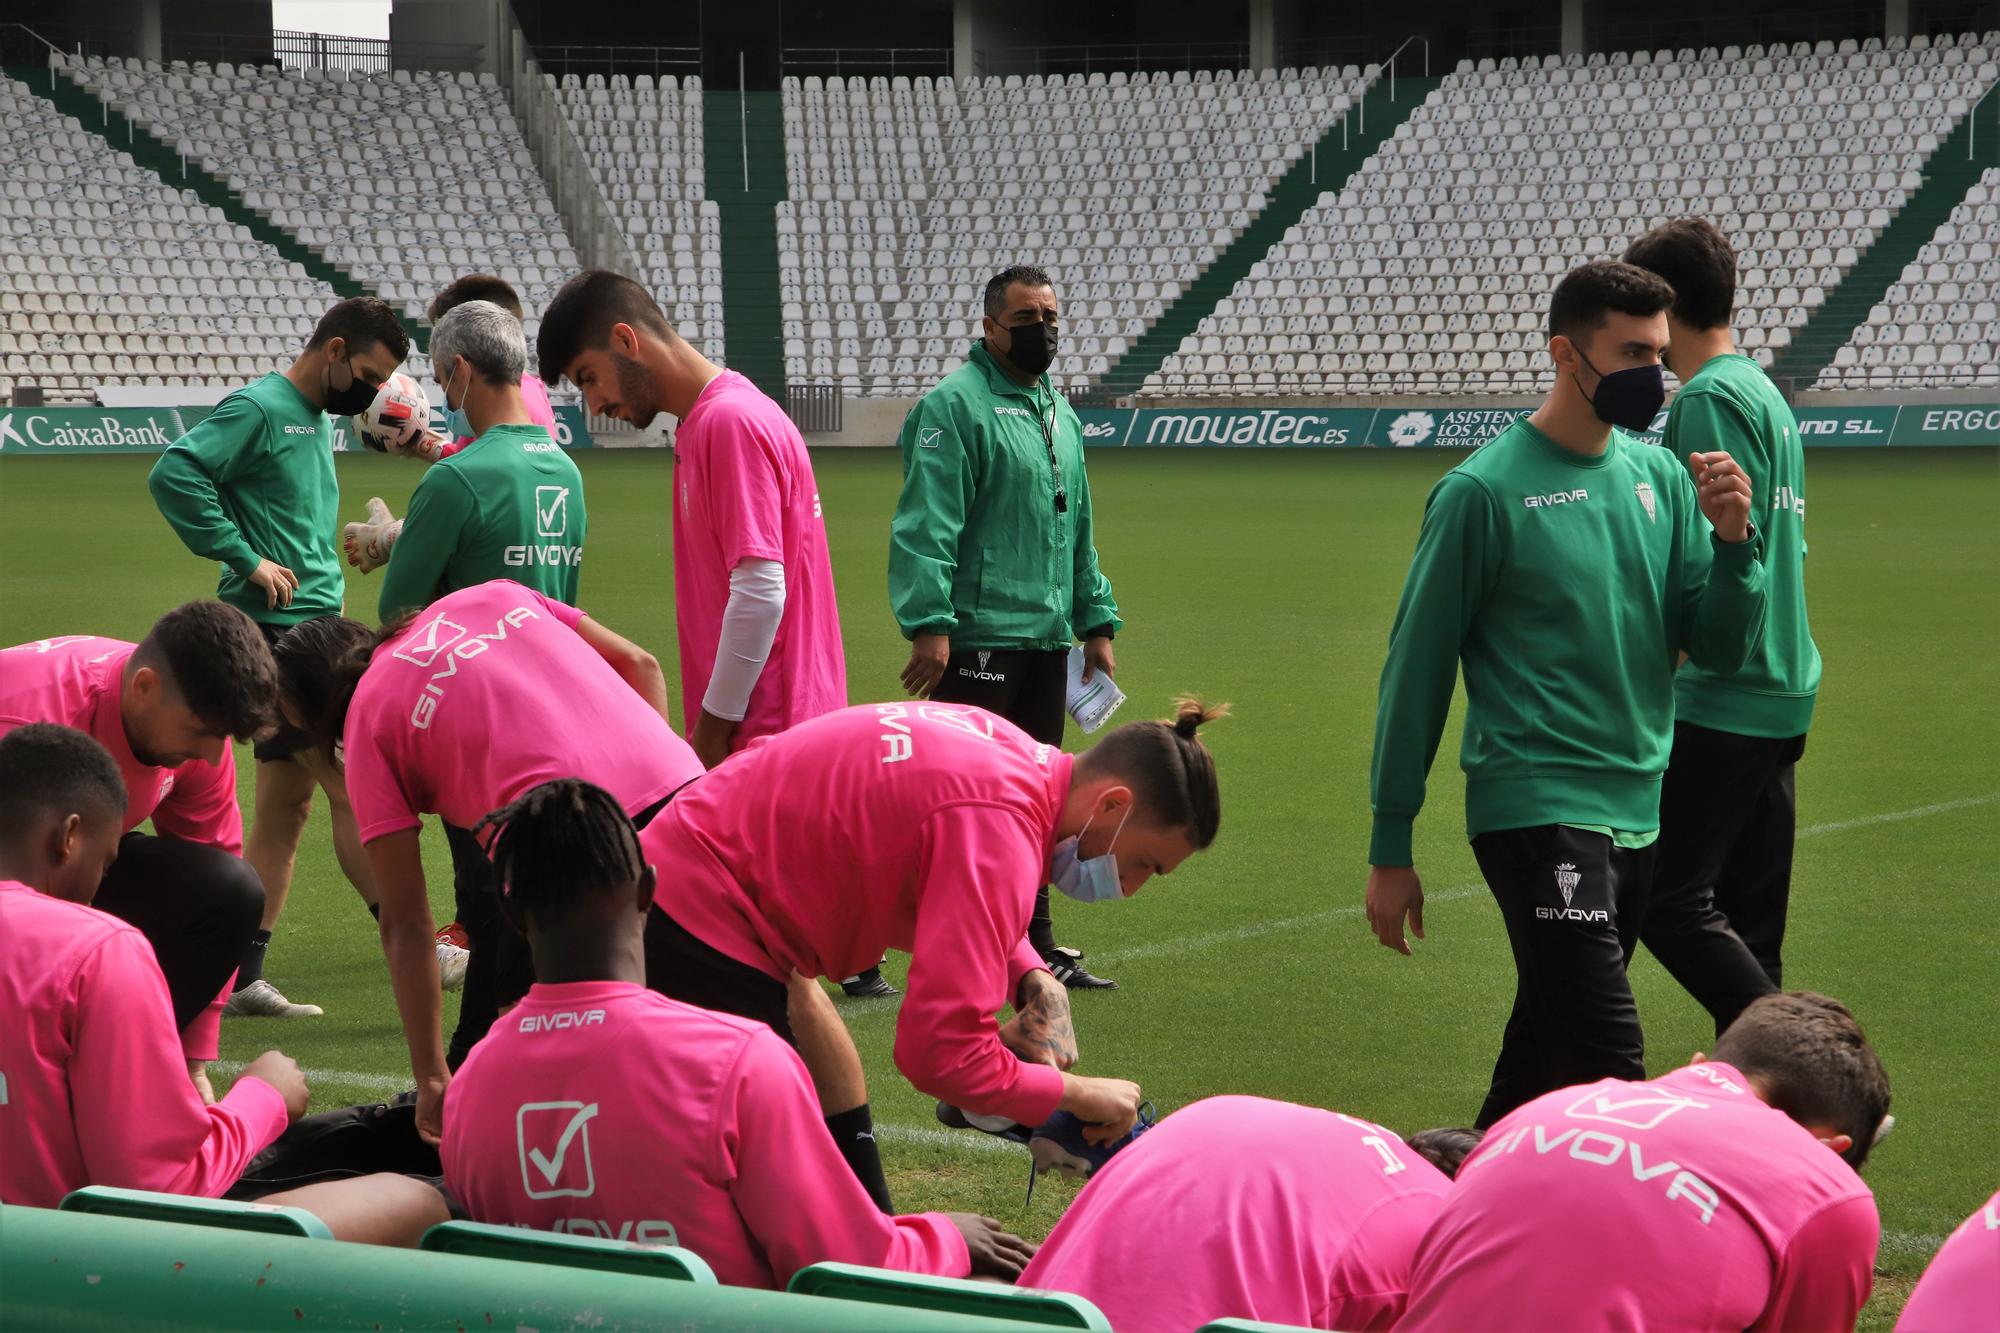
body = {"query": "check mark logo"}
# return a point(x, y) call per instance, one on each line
point(552, 1167)
point(551, 510)
point(928, 439)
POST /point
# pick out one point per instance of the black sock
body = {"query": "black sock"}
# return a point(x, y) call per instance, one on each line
point(252, 967)
point(1041, 930)
point(854, 1134)
point(375, 910)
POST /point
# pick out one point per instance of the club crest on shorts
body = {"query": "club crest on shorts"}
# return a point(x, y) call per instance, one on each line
point(1644, 491)
point(984, 657)
point(1567, 878)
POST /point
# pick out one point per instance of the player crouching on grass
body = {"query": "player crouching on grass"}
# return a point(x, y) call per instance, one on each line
point(924, 827)
point(457, 711)
point(94, 1092)
point(555, 1120)
point(1317, 1228)
point(167, 708)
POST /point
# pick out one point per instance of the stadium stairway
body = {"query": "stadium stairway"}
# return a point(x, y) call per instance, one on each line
point(752, 315)
point(1948, 174)
point(1296, 191)
point(106, 121)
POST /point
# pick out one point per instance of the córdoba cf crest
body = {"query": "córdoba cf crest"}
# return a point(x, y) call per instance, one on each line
point(1567, 877)
point(1645, 493)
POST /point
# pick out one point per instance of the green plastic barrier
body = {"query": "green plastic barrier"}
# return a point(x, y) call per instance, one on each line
point(1249, 1326)
point(146, 1206)
point(883, 1287)
point(522, 1245)
point(64, 1270)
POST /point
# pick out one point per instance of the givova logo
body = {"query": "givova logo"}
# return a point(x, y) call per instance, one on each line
point(554, 1139)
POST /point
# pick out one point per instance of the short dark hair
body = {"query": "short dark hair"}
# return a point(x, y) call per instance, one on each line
point(1445, 1149)
point(320, 664)
point(1814, 1063)
point(362, 321)
point(996, 286)
point(476, 287)
point(563, 837)
point(1590, 293)
point(1697, 261)
point(46, 769)
point(216, 659)
point(581, 316)
point(1171, 771)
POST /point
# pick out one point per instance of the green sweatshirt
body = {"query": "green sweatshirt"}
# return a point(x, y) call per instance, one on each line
point(254, 480)
point(1567, 586)
point(978, 548)
point(1730, 404)
point(507, 506)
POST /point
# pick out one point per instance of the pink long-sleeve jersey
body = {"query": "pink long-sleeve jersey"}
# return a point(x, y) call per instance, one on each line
point(921, 826)
point(93, 1087)
point(77, 681)
point(491, 691)
point(604, 1109)
point(1960, 1291)
point(1246, 1208)
point(1684, 1202)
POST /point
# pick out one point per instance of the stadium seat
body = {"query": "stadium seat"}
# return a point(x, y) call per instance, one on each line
point(1246, 1326)
point(946, 1295)
point(146, 1205)
point(547, 1247)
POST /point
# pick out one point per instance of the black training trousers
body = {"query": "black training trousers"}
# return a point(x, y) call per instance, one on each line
point(1722, 882)
point(1029, 688)
point(1573, 903)
point(196, 905)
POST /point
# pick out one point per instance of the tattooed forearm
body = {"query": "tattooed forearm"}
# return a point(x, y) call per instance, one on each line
point(1045, 1023)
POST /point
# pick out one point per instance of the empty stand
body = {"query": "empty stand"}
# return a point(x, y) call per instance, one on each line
point(907, 194)
point(1938, 326)
point(112, 277)
point(1430, 271)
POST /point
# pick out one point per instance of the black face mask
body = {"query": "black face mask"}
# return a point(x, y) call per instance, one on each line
point(1031, 347)
point(356, 398)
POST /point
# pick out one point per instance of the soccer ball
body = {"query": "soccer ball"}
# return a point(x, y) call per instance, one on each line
point(399, 418)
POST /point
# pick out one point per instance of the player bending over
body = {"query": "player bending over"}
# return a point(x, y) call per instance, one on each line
point(924, 827)
point(1315, 1228)
point(1723, 1196)
point(555, 1120)
point(1961, 1288)
point(455, 712)
point(94, 1089)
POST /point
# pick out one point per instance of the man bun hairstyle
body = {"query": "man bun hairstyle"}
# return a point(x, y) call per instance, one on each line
point(1590, 294)
point(320, 665)
point(46, 769)
point(1813, 1062)
point(1171, 772)
point(1697, 261)
point(558, 838)
point(1445, 1149)
point(215, 658)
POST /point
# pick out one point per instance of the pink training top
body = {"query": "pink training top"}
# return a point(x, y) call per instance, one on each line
point(489, 692)
point(93, 1087)
point(535, 396)
point(745, 490)
point(600, 1108)
point(77, 681)
point(1246, 1208)
point(1684, 1202)
point(922, 826)
point(1960, 1291)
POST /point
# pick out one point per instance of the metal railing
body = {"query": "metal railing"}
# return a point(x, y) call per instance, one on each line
point(865, 61)
point(1106, 57)
point(584, 61)
point(814, 408)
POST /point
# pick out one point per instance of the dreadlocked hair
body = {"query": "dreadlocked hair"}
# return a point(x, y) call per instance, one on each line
point(1171, 771)
point(563, 835)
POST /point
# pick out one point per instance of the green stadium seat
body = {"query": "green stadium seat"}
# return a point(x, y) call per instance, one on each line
point(946, 1295)
point(147, 1206)
point(486, 1241)
point(1248, 1326)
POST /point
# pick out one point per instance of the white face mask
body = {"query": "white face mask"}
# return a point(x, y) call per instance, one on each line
point(1088, 880)
point(456, 424)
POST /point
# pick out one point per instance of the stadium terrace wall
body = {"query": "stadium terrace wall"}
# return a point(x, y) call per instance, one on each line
point(99, 430)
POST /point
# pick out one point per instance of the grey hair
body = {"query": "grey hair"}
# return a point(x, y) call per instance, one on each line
point(488, 337)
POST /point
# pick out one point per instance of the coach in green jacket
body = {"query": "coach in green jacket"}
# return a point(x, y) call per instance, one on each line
point(992, 571)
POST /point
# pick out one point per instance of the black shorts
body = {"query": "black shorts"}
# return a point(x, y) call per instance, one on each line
point(287, 740)
point(1028, 687)
point(682, 967)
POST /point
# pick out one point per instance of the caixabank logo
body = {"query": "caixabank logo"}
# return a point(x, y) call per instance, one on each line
point(26, 431)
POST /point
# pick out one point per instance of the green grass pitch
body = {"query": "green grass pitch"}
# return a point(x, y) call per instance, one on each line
point(1269, 580)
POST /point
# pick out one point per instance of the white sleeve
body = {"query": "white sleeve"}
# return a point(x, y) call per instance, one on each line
point(749, 624)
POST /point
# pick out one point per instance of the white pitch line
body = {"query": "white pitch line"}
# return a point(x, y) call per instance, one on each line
point(1252, 930)
point(1896, 816)
point(381, 1085)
